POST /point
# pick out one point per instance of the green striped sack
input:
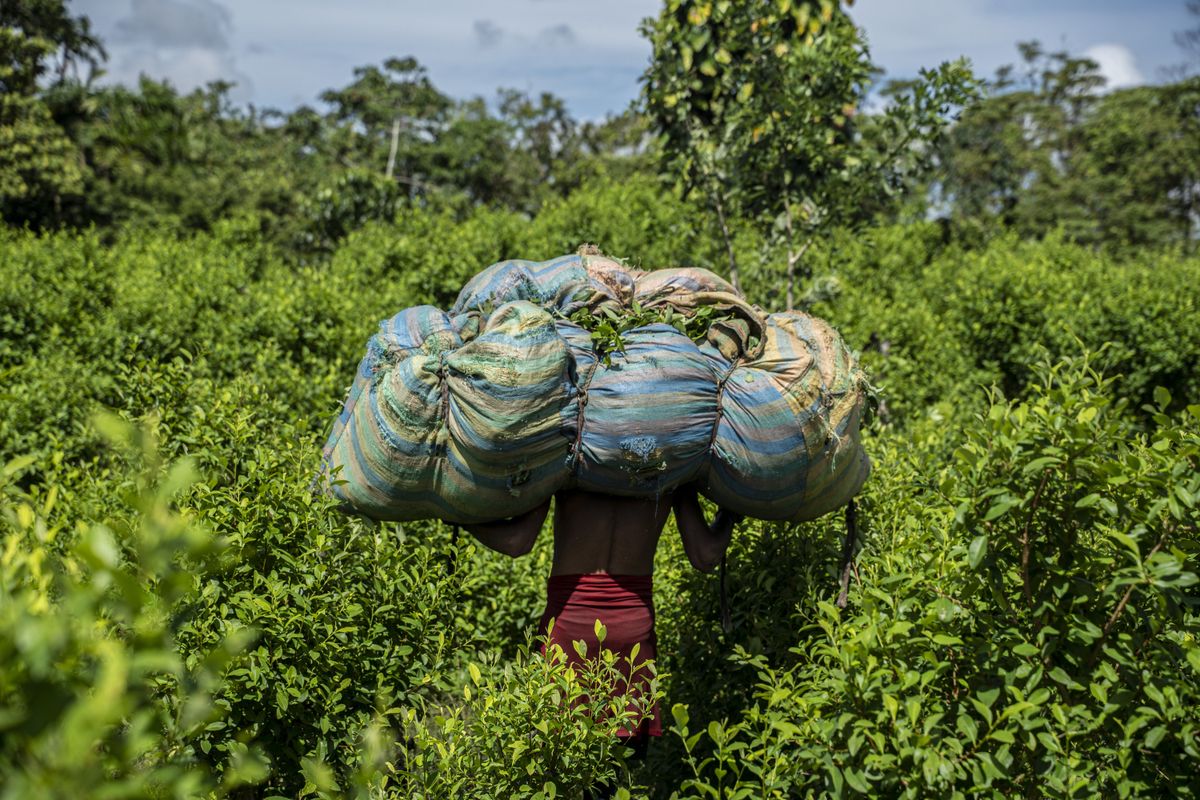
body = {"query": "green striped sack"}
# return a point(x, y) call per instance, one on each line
point(485, 411)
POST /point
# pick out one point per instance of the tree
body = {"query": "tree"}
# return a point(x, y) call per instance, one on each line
point(1047, 149)
point(1139, 164)
point(72, 153)
point(544, 139)
point(708, 58)
point(37, 31)
point(40, 167)
point(758, 104)
point(394, 110)
point(471, 153)
point(618, 147)
point(1012, 160)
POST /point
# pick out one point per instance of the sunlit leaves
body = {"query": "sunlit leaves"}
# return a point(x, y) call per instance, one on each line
point(1016, 637)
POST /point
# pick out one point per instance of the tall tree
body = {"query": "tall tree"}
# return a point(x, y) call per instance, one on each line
point(544, 137)
point(1139, 166)
point(1012, 159)
point(708, 59)
point(40, 167)
point(41, 36)
point(1049, 149)
point(528, 151)
point(389, 117)
point(758, 104)
point(191, 159)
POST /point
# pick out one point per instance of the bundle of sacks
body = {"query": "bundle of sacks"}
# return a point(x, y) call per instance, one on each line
point(484, 411)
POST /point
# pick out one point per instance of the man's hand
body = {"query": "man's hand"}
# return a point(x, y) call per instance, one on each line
point(512, 537)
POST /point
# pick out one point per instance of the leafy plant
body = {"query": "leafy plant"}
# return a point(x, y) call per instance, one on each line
point(363, 634)
point(1031, 630)
point(606, 323)
point(93, 689)
point(534, 728)
point(759, 107)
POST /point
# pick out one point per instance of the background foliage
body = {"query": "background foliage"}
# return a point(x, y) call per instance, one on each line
point(185, 287)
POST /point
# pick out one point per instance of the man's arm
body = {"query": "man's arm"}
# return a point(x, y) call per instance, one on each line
point(512, 537)
point(704, 544)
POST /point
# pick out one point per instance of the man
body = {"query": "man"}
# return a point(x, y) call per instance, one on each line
point(603, 563)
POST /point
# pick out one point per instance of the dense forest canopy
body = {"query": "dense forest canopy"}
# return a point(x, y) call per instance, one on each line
point(1041, 145)
point(185, 288)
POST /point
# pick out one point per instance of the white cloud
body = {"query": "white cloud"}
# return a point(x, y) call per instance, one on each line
point(185, 68)
point(176, 23)
point(1117, 64)
point(915, 33)
point(188, 43)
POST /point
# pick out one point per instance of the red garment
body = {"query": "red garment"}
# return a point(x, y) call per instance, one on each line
point(624, 605)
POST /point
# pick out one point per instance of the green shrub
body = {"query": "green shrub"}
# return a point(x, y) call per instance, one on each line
point(635, 220)
point(534, 728)
point(424, 257)
point(93, 690)
point(1029, 626)
point(345, 204)
point(936, 324)
point(363, 636)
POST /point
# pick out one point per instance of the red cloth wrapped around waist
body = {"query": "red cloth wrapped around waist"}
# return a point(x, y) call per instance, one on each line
point(624, 605)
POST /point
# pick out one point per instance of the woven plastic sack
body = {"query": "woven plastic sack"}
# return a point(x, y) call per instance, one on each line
point(788, 441)
point(465, 430)
point(484, 412)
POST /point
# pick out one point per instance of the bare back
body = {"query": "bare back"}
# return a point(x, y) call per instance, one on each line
point(603, 533)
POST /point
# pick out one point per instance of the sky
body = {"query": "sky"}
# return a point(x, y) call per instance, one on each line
point(284, 53)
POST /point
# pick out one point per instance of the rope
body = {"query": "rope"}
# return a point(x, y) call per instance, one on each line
point(443, 372)
point(726, 618)
point(579, 419)
point(712, 439)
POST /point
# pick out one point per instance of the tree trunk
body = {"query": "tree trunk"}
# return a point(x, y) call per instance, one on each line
point(391, 165)
point(791, 259)
point(733, 267)
point(791, 281)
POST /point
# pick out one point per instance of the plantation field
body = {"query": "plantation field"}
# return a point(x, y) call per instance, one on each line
point(180, 616)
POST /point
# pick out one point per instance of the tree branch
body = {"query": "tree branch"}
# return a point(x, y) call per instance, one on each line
point(1124, 601)
point(715, 194)
point(791, 262)
point(1026, 584)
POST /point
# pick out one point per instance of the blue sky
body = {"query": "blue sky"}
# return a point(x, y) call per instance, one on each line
point(283, 54)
